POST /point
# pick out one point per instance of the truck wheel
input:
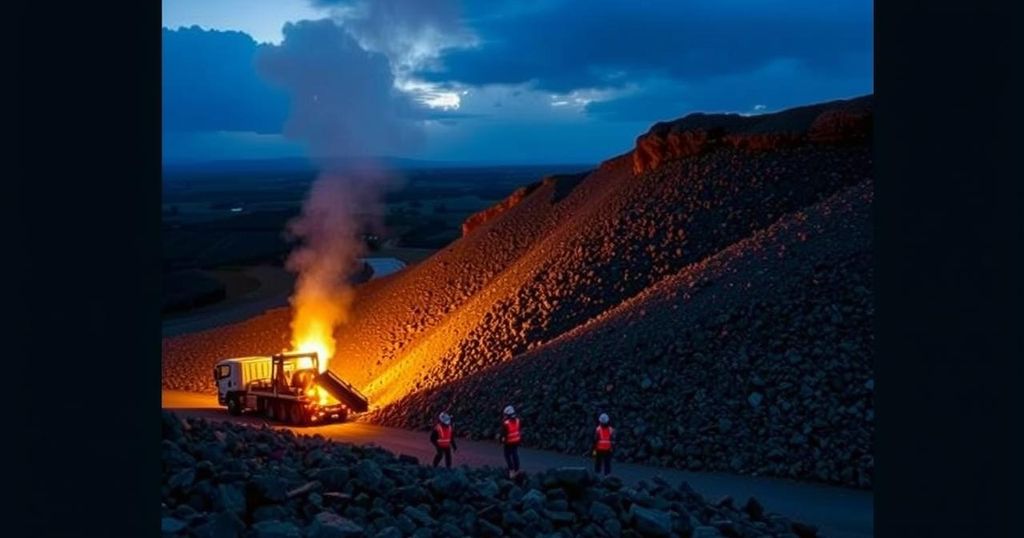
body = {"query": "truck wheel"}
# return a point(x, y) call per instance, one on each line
point(272, 410)
point(279, 412)
point(234, 406)
point(296, 417)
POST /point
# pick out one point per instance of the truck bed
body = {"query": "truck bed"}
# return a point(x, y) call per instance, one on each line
point(343, 392)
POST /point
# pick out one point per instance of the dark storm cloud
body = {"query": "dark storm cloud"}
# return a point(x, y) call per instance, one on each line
point(603, 43)
point(409, 32)
point(343, 99)
point(210, 84)
point(778, 85)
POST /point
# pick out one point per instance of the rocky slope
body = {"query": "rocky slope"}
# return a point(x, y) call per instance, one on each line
point(221, 479)
point(745, 243)
point(752, 360)
point(835, 123)
point(649, 228)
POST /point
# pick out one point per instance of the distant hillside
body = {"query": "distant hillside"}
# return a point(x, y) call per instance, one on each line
point(710, 289)
point(306, 165)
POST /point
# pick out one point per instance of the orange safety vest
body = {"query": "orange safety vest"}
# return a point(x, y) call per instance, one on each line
point(512, 438)
point(604, 438)
point(444, 436)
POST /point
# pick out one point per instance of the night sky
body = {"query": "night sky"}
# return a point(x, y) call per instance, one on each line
point(489, 81)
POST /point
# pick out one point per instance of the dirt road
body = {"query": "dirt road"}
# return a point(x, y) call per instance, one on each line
point(838, 512)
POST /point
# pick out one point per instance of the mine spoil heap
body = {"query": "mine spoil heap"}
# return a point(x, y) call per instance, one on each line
point(222, 479)
point(711, 290)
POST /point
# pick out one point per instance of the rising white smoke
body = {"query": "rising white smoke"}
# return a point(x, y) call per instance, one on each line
point(329, 229)
point(345, 108)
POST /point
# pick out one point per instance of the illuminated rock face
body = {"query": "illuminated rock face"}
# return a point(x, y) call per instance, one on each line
point(477, 219)
point(846, 122)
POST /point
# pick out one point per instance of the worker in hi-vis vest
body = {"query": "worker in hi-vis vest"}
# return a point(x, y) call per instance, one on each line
point(603, 445)
point(510, 436)
point(443, 439)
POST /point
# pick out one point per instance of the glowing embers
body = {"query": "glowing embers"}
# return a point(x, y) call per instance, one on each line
point(321, 396)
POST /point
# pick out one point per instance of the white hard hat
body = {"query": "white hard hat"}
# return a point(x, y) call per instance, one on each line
point(445, 418)
point(603, 419)
point(509, 410)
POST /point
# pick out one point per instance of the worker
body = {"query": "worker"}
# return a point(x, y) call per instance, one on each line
point(603, 445)
point(443, 439)
point(510, 435)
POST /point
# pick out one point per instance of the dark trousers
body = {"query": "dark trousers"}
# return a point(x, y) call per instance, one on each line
point(603, 459)
point(512, 457)
point(447, 453)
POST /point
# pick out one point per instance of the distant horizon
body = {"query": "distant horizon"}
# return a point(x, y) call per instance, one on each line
point(406, 161)
point(418, 162)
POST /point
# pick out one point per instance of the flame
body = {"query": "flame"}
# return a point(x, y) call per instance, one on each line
point(319, 394)
point(317, 311)
point(313, 340)
point(313, 332)
point(315, 316)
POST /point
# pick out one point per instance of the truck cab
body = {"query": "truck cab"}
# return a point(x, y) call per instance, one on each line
point(233, 377)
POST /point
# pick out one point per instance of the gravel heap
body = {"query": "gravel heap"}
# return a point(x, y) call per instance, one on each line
point(756, 360)
point(223, 479)
point(650, 228)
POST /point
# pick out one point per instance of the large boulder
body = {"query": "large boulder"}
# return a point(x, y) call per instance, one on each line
point(330, 525)
point(649, 522)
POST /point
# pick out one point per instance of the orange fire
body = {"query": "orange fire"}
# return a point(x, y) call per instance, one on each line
point(324, 349)
point(319, 394)
point(313, 340)
point(315, 317)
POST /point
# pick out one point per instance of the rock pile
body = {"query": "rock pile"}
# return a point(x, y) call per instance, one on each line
point(755, 360)
point(648, 229)
point(221, 479)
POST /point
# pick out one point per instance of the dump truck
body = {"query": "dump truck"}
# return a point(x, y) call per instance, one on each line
point(286, 387)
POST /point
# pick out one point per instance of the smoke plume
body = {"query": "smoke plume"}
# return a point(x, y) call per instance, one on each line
point(345, 108)
point(328, 229)
point(343, 97)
